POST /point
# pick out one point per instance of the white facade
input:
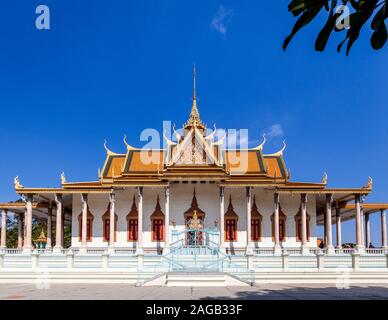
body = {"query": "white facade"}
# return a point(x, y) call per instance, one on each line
point(181, 195)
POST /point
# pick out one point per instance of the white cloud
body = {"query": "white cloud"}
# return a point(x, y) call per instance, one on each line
point(275, 130)
point(220, 19)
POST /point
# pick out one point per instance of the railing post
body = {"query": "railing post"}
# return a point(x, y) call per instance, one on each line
point(285, 257)
point(105, 260)
point(34, 260)
point(2, 257)
point(70, 259)
point(355, 261)
point(320, 264)
point(249, 261)
point(140, 261)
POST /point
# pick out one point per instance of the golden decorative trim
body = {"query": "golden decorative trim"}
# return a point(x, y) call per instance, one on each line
point(109, 152)
point(279, 153)
point(129, 147)
point(17, 183)
point(260, 147)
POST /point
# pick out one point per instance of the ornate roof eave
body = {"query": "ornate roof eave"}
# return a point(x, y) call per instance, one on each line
point(108, 151)
point(345, 191)
point(129, 147)
point(22, 205)
point(61, 190)
point(278, 153)
point(260, 146)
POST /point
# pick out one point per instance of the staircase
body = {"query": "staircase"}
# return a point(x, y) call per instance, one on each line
point(199, 265)
point(196, 279)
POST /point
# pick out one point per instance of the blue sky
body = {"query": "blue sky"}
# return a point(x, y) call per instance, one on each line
point(109, 68)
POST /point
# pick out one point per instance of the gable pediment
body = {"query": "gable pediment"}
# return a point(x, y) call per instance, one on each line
point(193, 150)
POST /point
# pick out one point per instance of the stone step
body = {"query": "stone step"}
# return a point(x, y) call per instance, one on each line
point(208, 279)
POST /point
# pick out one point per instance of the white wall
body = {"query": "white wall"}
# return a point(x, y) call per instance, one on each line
point(180, 200)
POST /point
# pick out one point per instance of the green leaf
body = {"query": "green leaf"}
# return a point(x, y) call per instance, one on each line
point(326, 31)
point(304, 20)
point(379, 37)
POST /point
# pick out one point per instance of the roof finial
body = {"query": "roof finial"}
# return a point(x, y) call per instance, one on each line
point(194, 120)
point(195, 83)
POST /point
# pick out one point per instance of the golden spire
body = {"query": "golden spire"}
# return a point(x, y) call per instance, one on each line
point(195, 83)
point(195, 119)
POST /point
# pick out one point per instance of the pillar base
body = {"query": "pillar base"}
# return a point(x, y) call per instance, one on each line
point(111, 250)
point(277, 250)
point(83, 250)
point(57, 250)
point(249, 251)
point(304, 250)
point(360, 249)
point(139, 251)
point(27, 250)
point(330, 250)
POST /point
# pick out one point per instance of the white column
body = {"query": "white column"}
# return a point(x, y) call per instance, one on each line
point(338, 226)
point(367, 230)
point(330, 247)
point(167, 221)
point(222, 214)
point(84, 225)
point(28, 223)
point(20, 231)
point(49, 226)
point(303, 199)
point(277, 248)
point(383, 229)
point(58, 223)
point(63, 228)
point(359, 246)
point(3, 243)
point(324, 230)
point(140, 220)
point(112, 221)
point(249, 219)
point(362, 226)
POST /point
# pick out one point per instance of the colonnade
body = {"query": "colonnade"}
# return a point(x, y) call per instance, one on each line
point(363, 237)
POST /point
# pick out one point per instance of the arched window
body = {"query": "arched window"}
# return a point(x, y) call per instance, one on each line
point(106, 224)
point(89, 226)
point(231, 219)
point(157, 221)
point(256, 220)
point(133, 223)
point(298, 225)
point(282, 225)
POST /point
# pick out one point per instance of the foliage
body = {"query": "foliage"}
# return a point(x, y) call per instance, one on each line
point(37, 226)
point(360, 11)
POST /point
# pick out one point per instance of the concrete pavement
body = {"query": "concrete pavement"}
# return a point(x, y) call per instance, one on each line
point(128, 292)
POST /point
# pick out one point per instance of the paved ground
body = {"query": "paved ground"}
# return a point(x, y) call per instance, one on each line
point(120, 292)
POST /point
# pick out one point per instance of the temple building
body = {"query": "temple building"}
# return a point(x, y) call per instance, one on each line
point(195, 193)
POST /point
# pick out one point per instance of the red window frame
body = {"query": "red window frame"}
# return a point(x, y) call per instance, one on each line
point(88, 229)
point(133, 229)
point(158, 230)
point(230, 230)
point(106, 233)
point(255, 230)
point(282, 229)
